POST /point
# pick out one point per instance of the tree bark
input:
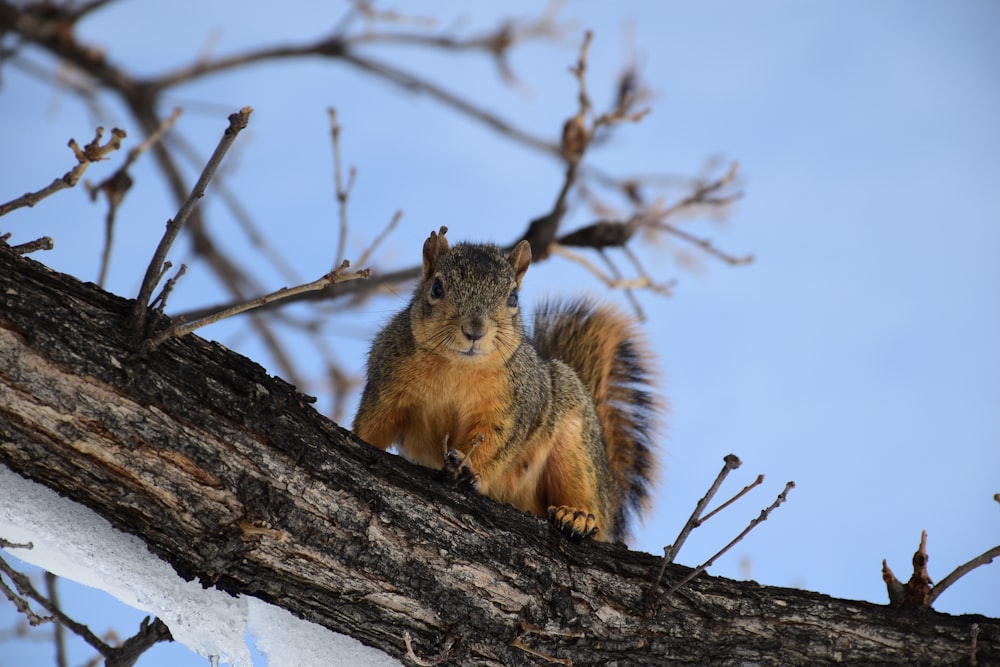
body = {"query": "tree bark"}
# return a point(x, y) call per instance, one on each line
point(233, 478)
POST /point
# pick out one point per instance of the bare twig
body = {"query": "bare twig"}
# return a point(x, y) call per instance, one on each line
point(370, 250)
point(92, 152)
point(26, 588)
point(237, 122)
point(703, 244)
point(51, 583)
point(413, 83)
point(20, 603)
point(121, 656)
point(43, 243)
point(730, 462)
point(753, 524)
point(746, 489)
point(703, 192)
point(984, 558)
point(336, 276)
point(616, 274)
point(613, 283)
point(117, 185)
point(160, 301)
point(342, 191)
point(241, 215)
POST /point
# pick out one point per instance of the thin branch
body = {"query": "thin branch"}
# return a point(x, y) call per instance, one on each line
point(343, 192)
point(26, 588)
point(333, 277)
point(51, 584)
point(609, 281)
point(237, 122)
point(366, 9)
point(356, 290)
point(415, 84)
point(753, 524)
point(704, 244)
point(746, 489)
point(731, 462)
point(160, 302)
point(702, 193)
point(43, 243)
point(117, 185)
point(221, 190)
point(20, 603)
point(370, 250)
point(336, 47)
point(617, 275)
point(92, 152)
point(984, 558)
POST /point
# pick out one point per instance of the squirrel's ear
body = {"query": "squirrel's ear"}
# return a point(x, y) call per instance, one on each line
point(520, 258)
point(435, 246)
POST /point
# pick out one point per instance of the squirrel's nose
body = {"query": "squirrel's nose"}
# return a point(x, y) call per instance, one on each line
point(474, 329)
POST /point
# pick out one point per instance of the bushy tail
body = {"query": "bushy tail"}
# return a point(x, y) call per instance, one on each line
point(602, 346)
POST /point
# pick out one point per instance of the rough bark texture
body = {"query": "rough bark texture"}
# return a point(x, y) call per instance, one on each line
point(232, 477)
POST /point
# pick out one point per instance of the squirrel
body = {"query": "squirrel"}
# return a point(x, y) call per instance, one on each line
point(559, 424)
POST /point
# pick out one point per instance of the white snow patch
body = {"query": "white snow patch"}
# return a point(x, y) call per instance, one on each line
point(288, 641)
point(73, 542)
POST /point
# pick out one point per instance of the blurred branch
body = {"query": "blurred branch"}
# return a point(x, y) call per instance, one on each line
point(342, 191)
point(117, 185)
point(51, 585)
point(42, 243)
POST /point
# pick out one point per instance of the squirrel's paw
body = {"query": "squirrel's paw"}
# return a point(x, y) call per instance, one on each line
point(458, 469)
point(573, 523)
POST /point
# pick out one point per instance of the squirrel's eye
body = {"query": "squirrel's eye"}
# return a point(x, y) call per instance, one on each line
point(437, 289)
point(512, 299)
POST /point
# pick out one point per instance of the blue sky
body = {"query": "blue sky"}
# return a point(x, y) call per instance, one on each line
point(858, 355)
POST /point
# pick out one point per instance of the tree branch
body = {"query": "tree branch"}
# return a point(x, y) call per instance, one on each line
point(92, 152)
point(237, 122)
point(234, 479)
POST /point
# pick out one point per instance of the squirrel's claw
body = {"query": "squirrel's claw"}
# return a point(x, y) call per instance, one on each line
point(456, 467)
point(573, 523)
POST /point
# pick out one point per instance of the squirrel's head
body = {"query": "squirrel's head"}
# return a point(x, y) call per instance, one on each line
point(466, 306)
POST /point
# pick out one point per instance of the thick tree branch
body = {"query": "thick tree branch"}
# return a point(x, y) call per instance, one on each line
point(233, 478)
